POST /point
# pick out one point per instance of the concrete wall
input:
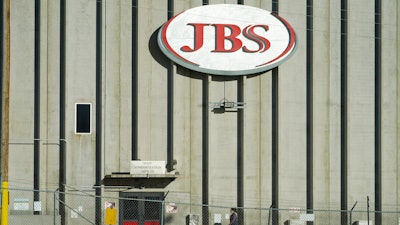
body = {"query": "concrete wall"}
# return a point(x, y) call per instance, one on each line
point(188, 120)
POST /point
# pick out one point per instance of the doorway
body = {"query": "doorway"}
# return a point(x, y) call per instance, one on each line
point(140, 208)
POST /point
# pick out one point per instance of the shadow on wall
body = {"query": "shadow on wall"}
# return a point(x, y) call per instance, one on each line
point(156, 52)
point(164, 61)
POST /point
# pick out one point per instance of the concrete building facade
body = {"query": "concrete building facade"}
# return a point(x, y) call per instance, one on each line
point(320, 131)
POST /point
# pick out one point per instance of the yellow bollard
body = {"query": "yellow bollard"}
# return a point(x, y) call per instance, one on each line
point(4, 203)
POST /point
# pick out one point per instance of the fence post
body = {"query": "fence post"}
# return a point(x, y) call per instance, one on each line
point(368, 210)
point(162, 211)
point(269, 214)
point(351, 212)
point(54, 207)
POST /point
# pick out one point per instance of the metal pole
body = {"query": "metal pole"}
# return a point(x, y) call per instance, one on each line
point(368, 210)
point(6, 121)
point(351, 211)
point(54, 207)
point(162, 211)
point(269, 214)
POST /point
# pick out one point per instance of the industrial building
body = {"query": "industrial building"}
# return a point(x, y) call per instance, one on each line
point(92, 93)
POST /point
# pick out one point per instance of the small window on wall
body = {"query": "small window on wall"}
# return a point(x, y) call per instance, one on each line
point(83, 119)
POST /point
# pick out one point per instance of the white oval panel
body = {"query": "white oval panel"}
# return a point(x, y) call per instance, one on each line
point(227, 39)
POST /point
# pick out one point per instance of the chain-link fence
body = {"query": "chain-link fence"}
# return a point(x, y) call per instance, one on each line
point(32, 207)
point(76, 207)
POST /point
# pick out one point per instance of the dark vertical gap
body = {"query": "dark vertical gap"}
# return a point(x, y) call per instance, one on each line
point(99, 106)
point(240, 147)
point(205, 146)
point(134, 154)
point(275, 146)
point(205, 149)
point(36, 125)
point(63, 154)
point(170, 105)
point(378, 112)
point(343, 111)
point(275, 135)
point(1, 74)
point(310, 132)
point(240, 152)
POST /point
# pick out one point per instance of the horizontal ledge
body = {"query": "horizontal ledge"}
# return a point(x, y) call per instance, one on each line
point(139, 180)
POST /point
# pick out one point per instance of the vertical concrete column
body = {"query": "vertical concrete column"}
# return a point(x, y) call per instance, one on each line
point(292, 114)
point(321, 97)
point(361, 103)
point(390, 106)
point(152, 85)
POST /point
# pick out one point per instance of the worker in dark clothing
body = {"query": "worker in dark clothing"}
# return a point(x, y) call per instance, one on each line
point(233, 219)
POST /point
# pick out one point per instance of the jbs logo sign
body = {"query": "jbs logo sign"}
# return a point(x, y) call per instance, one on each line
point(221, 37)
point(227, 39)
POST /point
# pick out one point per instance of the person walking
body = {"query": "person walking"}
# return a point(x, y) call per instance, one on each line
point(233, 219)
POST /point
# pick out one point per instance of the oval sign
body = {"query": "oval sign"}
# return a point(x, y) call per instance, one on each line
point(227, 39)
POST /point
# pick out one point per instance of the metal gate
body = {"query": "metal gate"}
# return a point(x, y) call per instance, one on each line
point(140, 208)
